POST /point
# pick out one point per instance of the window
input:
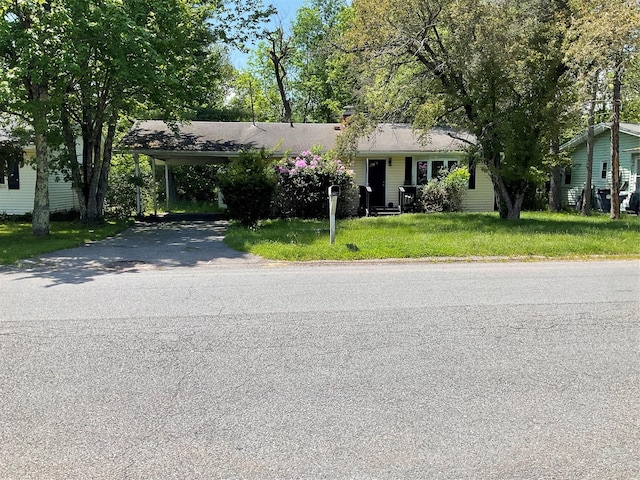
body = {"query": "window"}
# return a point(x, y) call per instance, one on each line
point(472, 176)
point(426, 170)
point(567, 176)
point(13, 179)
point(422, 173)
point(436, 166)
point(603, 170)
point(408, 166)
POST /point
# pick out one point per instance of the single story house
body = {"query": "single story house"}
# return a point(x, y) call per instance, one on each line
point(576, 175)
point(390, 158)
point(17, 187)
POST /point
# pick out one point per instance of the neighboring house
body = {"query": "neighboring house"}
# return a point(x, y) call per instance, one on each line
point(17, 189)
point(575, 176)
point(392, 157)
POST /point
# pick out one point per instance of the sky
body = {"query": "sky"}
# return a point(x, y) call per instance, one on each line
point(287, 10)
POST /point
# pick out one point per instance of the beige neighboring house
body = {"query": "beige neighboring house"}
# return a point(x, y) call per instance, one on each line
point(17, 188)
point(391, 160)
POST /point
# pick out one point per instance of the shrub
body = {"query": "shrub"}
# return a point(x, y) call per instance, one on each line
point(120, 200)
point(433, 196)
point(303, 184)
point(247, 184)
point(456, 185)
point(446, 192)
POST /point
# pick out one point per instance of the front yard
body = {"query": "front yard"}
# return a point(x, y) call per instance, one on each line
point(535, 235)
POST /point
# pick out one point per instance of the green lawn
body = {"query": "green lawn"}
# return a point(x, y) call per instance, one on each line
point(17, 242)
point(442, 235)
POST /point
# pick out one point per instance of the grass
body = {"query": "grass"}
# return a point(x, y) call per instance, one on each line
point(442, 235)
point(17, 242)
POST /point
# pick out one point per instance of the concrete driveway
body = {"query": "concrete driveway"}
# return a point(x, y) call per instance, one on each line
point(176, 240)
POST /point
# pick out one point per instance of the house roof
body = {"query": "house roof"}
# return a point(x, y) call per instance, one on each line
point(205, 142)
point(632, 129)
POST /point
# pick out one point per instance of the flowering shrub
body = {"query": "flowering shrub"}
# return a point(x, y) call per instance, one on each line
point(446, 193)
point(303, 183)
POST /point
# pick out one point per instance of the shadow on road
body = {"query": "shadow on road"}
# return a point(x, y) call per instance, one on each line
point(169, 242)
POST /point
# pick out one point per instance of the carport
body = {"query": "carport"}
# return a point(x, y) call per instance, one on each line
point(204, 143)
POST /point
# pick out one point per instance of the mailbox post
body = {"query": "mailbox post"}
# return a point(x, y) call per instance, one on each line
point(334, 193)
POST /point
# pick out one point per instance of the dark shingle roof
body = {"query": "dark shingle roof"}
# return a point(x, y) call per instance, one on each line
point(223, 139)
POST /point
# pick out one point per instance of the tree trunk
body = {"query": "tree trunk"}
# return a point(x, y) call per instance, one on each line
point(74, 165)
point(41, 214)
point(107, 154)
point(509, 198)
point(278, 54)
point(615, 146)
point(555, 189)
point(586, 192)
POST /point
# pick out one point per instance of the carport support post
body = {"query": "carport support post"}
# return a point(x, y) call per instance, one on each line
point(166, 184)
point(155, 187)
point(136, 159)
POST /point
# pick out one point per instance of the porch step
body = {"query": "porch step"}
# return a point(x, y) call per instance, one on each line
point(384, 211)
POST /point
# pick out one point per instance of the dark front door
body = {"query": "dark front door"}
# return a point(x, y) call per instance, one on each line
point(376, 177)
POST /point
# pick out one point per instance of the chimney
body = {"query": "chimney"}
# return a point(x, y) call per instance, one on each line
point(346, 113)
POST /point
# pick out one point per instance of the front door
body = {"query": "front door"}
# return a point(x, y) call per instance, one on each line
point(376, 176)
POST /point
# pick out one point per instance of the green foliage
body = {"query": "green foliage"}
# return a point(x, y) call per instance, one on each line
point(120, 201)
point(318, 81)
point(303, 183)
point(73, 68)
point(195, 183)
point(494, 69)
point(247, 185)
point(445, 193)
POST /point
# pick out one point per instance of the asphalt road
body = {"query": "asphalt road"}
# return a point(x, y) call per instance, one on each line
point(200, 363)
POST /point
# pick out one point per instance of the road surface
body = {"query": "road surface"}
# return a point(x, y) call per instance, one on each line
point(248, 369)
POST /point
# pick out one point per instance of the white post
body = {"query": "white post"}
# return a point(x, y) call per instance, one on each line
point(155, 187)
point(136, 159)
point(166, 184)
point(334, 192)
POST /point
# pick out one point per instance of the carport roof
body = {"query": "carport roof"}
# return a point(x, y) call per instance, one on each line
point(208, 142)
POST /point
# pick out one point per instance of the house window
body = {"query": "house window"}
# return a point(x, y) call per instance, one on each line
point(472, 175)
point(408, 166)
point(422, 177)
point(436, 166)
point(13, 179)
point(567, 176)
point(603, 170)
point(426, 170)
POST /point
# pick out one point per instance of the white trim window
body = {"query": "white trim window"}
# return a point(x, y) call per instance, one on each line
point(425, 170)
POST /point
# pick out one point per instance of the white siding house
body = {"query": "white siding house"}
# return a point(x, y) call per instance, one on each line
point(17, 191)
point(385, 161)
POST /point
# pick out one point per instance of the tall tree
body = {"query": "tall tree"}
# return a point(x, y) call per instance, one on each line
point(279, 55)
point(321, 86)
point(605, 36)
point(493, 68)
point(163, 59)
point(30, 87)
